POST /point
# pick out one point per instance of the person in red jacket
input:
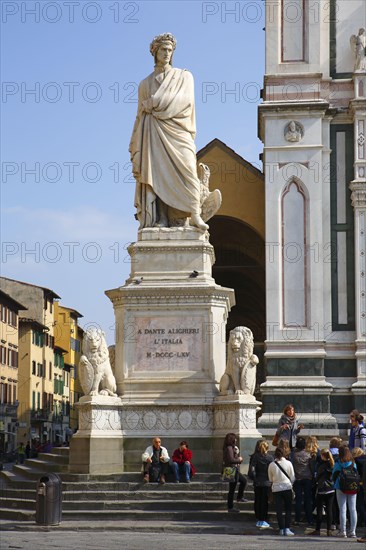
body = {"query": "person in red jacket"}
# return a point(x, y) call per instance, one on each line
point(182, 463)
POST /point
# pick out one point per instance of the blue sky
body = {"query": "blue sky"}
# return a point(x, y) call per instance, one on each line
point(70, 72)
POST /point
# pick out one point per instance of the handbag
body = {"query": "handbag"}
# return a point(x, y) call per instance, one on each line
point(288, 477)
point(229, 474)
point(275, 440)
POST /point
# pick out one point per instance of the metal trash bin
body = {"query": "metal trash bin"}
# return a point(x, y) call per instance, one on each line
point(49, 500)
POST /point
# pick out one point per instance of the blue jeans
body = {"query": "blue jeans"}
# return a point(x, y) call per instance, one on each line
point(303, 488)
point(185, 469)
point(345, 501)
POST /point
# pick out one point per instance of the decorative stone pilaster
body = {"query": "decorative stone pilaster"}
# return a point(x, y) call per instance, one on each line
point(237, 414)
point(358, 198)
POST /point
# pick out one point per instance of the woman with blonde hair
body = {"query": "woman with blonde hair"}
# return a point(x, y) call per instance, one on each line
point(312, 446)
point(258, 472)
point(325, 491)
point(346, 498)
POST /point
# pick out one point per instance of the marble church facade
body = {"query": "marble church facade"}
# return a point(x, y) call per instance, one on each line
point(312, 124)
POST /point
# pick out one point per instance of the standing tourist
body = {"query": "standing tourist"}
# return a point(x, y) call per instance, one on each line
point(346, 497)
point(231, 457)
point(288, 426)
point(281, 474)
point(356, 421)
point(301, 461)
point(258, 472)
point(324, 491)
point(359, 433)
point(21, 453)
point(360, 460)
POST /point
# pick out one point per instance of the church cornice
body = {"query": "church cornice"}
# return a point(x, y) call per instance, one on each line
point(358, 194)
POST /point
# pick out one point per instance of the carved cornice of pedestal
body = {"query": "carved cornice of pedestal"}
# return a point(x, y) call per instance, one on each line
point(158, 248)
point(174, 295)
point(358, 194)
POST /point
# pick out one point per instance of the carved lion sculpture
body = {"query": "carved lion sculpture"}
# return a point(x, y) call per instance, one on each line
point(241, 366)
point(95, 372)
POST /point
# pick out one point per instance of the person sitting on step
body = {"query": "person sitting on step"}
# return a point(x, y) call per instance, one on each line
point(182, 463)
point(155, 460)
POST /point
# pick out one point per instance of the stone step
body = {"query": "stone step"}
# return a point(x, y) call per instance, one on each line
point(17, 503)
point(17, 515)
point(162, 515)
point(16, 481)
point(147, 506)
point(52, 457)
point(64, 451)
point(175, 496)
point(26, 494)
point(127, 486)
point(131, 477)
point(46, 465)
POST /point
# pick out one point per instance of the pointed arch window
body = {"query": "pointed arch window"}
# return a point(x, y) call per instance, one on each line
point(294, 257)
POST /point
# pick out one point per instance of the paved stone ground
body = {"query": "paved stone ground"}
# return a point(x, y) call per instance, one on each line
point(84, 537)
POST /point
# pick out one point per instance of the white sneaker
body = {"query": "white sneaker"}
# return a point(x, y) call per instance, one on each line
point(289, 533)
point(265, 525)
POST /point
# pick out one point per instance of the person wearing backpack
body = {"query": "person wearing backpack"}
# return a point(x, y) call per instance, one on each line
point(346, 483)
point(324, 491)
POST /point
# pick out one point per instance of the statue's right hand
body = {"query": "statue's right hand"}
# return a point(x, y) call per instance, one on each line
point(147, 105)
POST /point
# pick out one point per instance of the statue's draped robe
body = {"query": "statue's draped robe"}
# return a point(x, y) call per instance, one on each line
point(162, 146)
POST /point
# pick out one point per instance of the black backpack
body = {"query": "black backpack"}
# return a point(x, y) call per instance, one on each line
point(349, 480)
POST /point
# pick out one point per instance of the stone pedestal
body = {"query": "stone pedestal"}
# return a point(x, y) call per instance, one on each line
point(170, 320)
point(97, 447)
point(237, 414)
point(170, 354)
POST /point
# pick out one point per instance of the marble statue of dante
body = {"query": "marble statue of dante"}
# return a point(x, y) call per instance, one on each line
point(162, 148)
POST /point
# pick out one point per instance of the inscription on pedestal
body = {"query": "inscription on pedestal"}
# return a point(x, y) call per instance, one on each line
point(168, 343)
